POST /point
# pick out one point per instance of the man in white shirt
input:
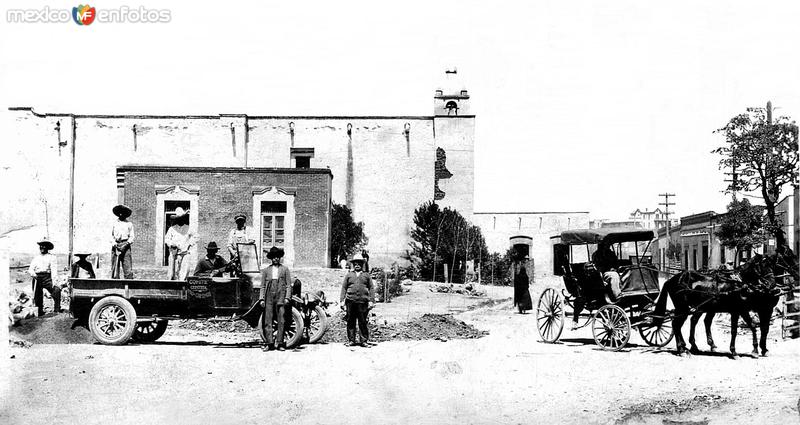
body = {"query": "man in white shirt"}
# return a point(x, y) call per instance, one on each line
point(180, 240)
point(44, 270)
point(122, 238)
point(241, 234)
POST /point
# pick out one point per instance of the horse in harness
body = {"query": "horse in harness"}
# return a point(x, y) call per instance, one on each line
point(756, 287)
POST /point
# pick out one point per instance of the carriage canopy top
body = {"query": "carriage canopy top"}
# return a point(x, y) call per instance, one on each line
point(608, 235)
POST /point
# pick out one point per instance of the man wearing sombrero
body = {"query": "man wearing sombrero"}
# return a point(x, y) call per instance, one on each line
point(180, 239)
point(241, 234)
point(44, 270)
point(357, 297)
point(275, 292)
point(122, 238)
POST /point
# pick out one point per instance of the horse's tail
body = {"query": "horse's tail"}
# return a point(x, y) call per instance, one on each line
point(661, 302)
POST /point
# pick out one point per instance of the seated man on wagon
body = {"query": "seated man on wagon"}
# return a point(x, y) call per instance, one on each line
point(605, 260)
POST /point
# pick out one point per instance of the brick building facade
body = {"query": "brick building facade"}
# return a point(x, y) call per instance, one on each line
point(298, 198)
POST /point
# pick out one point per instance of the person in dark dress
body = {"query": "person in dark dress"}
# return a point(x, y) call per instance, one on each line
point(522, 296)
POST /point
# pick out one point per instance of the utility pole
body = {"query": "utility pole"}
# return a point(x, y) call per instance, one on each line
point(666, 205)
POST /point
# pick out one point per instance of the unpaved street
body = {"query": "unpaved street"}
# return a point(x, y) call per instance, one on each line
point(506, 377)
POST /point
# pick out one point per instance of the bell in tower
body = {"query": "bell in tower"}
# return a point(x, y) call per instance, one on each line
point(451, 98)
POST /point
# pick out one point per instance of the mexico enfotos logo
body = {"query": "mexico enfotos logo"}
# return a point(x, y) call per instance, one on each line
point(85, 15)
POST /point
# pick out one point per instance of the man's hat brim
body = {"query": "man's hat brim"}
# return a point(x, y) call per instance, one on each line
point(240, 217)
point(275, 252)
point(46, 244)
point(120, 210)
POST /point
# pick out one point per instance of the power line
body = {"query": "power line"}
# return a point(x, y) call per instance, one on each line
point(666, 205)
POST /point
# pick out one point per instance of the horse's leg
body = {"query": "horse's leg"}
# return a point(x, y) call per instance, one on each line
point(677, 324)
point(692, 323)
point(749, 321)
point(708, 320)
point(764, 317)
point(734, 329)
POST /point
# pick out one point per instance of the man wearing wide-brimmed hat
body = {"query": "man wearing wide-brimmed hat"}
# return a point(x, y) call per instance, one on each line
point(82, 269)
point(240, 234)
point(180, 239)
point(275, 292)
point(212, 264)
point(358, 296)
point(44, 270)
point(122, 238)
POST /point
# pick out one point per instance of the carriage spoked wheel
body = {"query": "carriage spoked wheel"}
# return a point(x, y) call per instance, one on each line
point(550, 315)
point(611, 327)
point(293, 331)
point(656, 335)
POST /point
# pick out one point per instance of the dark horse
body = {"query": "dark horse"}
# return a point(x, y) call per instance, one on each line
point(693, 294)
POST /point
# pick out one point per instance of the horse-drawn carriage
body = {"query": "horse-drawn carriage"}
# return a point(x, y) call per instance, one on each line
point(611, 318)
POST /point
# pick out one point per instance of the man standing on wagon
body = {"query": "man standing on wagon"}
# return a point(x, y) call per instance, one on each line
point(358, 296)
point(122, 238)
point(241, 234)
point(275, 292)
point(44, 270)
point(180, 239)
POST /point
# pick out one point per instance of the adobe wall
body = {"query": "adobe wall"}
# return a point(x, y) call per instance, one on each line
point(391, 173)
point(497, 228)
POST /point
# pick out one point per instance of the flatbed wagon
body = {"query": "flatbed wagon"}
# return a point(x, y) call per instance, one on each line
point(118, 310)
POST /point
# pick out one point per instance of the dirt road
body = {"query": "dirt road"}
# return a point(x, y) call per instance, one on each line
point(507, 377)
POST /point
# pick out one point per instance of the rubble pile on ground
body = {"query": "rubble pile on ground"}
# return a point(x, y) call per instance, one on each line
point(51, 329)
point(669, 406)
point(430, 326)
point(213, 326)
point(455, 288)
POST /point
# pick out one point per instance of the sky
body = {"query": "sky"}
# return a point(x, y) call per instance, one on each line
point(580, 105)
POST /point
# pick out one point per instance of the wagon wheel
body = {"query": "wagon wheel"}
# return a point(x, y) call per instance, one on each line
point(656, 335)
point(150, 331)
point(112, 320)
point(611, 327)
point(550, 315)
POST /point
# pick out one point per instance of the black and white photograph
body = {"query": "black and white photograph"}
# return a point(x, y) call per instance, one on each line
point(363, 212)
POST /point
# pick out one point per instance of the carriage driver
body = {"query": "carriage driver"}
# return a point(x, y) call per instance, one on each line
point(605, 260)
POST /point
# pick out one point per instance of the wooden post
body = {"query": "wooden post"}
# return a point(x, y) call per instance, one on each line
point(446, 274)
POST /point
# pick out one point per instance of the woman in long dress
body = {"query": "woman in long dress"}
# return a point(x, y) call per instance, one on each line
point(522, 296)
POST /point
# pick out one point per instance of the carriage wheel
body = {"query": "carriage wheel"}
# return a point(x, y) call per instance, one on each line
point(550, 315)
point(611, 327)
point(656, 335)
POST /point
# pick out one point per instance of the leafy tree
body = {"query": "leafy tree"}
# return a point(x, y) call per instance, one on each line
point(742, 227)
point(444, 236)
point(763, 156)
point(674, 250)
point(347, 236)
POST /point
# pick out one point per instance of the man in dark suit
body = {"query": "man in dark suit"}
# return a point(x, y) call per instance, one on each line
point(275, 291)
